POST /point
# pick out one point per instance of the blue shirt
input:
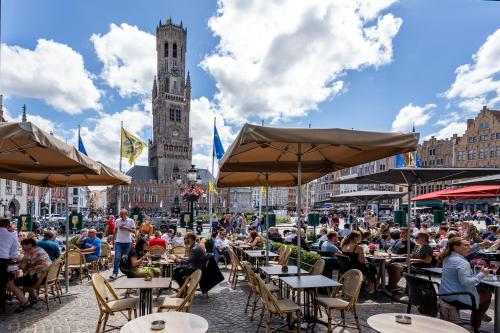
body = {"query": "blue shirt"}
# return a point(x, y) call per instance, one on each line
point(50, 247)
point(458, 277)
point(330, 247)
point(88, 243)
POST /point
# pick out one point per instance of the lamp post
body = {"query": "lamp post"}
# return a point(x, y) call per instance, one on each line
point(193, 178)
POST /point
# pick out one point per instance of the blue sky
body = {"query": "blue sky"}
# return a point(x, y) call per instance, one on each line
point(356, 64)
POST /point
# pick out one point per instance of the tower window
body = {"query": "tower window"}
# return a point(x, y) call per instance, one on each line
point(166, 50)
point(178, 116)
point(174, 50)
point(172, 114)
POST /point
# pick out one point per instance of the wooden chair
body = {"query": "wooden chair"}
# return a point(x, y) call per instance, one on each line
point(157, 250)
point(344, 298)
point(280, 253)
point(183, 299)
point(179, 250)
point(253, 289)
point(76, 262)
point(317, 268)
point(47, 283)
point(274, 306)
point(109, 303)
point(283, 261)
point(105, 258)
point(236, 268)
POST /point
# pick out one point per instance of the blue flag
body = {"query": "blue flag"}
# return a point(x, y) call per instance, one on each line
point(400, 162)
point(81, 147)
point(417, 160)
point(218, 149)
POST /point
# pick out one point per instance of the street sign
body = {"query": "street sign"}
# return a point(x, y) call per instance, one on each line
point(24, 223)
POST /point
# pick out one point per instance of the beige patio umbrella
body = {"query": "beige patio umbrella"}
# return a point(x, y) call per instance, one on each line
point(31, 155)
point(288, 152)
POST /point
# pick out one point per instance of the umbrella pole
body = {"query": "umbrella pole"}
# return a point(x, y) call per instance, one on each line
point(408, 239)
point(299, 201)
point(267, 219)
point(66, 270)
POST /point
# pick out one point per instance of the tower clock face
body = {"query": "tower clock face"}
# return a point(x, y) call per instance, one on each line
point(175, 132)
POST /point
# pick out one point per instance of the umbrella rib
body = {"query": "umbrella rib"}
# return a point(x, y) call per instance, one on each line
point(18, 148)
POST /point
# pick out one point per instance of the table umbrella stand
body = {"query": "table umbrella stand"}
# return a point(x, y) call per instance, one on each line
point(267, 219)
point(408, 239)
point(66, 270)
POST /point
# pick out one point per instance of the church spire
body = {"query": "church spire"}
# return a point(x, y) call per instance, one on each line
point(24, 114)
point(413, 129)
point(188, 80)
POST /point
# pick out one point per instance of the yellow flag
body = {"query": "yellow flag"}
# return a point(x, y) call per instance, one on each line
point(263, 189)
point(211, 187)
point(131, 147)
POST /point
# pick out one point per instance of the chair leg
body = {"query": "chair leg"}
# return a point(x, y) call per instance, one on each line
point(135, 313)
point(260, 320)
point(330, 315)
point(297, 326)
point(248, 300)
point(268, 322)
point(129, 314)
point(46, 295)
point(106, 316)
point(356, 319)
point(342, 315)
point(408, 308)
point(99, 321)
point(255, 300)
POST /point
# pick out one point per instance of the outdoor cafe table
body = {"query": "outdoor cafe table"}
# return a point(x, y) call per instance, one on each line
point(382, 260)
point(386, 323)
point(145, 290)
point(486, 281)
point(258, 254)
point(174, 322)
point(309, 283)
point(277, 271)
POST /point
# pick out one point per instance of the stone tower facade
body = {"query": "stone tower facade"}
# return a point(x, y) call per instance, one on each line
point(170, 150)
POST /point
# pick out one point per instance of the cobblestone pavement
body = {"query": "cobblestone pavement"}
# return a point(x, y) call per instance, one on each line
point(224, 310)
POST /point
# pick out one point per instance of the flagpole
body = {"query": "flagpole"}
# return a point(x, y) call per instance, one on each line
point(119, 201)
point(210, 198)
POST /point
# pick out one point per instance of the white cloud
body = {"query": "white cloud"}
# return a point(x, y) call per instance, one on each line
point(278, 66)
point(129, 58)
point(53, 72)
point(455, 127)
point(478, 84)
point(204, 161)
point(45, 124)
point(412, 115)
point(102, 137)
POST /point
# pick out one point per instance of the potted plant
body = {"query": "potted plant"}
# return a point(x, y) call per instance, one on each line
point(372, 248)
point(148, 274)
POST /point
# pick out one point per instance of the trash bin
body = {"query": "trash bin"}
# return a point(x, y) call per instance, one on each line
point(272, 220)
point(199, 226)
point(313, 219)
point(400, 218)
point(438, 216)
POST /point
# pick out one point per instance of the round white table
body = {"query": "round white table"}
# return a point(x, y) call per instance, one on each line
point(174, 322)
point(386, 323)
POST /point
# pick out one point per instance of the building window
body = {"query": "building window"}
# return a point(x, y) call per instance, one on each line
point(75, 200)
point(484, 126)
point(461, 155)
point(497, 151)
point(166, 50)
point(178, 116)
point(8, 186)
point(172, 114)
point(492, 153)
point(482, 153)
point(483, 138)
point(174, 50)
point(471, 154)
point(498, 135)
point(432, 152)
point(19, 189)
point(75, 191)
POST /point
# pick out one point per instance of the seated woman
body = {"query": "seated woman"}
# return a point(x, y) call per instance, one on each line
point(303, 243)
point(34, 263)
point(350, 247)
point(255, 240)
point(421, 256)
point(178, 240)
point(131, 266)
point(458, 277)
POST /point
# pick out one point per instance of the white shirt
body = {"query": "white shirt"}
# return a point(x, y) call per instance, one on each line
point(166, 237)
point(290, 237)
point(123, 236)
point(222, 243)
point(177, 241)
point(323, 238)
point(9, 245)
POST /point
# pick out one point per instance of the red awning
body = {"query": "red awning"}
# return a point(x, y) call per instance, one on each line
point(463, 193)
point(481, 191)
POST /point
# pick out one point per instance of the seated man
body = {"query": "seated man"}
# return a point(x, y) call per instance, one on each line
point(291, 236)
point(274, 235)
point(91, 246)
point(49, 245)
point(344, 232)
point(168, 236)
point(195, 260)
point(157, 240)
point(221, 247)
point(329, 245)
point(323, 235)
point(34, 263)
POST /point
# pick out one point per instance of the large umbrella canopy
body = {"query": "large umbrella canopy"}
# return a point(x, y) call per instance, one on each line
point(417, 176)
point(448, 194)
point(488, 180)
point(26, 148)
point(277, 151)
point(478, 191)
point(365, 196)
point(106, 177)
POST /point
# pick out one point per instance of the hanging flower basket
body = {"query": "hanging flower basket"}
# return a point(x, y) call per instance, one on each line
point(192, 193)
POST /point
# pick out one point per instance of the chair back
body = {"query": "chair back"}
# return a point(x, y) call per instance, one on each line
point(179, 250)
point(235, 262)
point(352, 281)
point(317, 268)
point(250, 275)
point(269, 300)
point(104, 292)
point(53, 272)
point(286, 256)
point(75, 258)
point(194, 280)
point(105, 250)
point(157, 250)
point(344, 263)
point(422, 294)
point(281, 251)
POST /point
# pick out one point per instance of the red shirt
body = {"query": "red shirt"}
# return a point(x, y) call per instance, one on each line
point(111, 225)
point(157, 241)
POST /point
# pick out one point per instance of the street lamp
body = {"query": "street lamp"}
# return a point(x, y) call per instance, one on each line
point(192, 177)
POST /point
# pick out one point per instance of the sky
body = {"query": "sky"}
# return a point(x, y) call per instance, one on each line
point(380, 65)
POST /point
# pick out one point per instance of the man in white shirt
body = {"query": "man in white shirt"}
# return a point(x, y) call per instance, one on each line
point(9, 247)
point(125, 227)
point(222, 245)
point(291, 236)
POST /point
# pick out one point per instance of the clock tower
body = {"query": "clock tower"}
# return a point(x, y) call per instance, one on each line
point(171, 148)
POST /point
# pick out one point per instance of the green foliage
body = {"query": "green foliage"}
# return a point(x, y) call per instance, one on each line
point(282, 219)
point(209, 244)
point(307, 257)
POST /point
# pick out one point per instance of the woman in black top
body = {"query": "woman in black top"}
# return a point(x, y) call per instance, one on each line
point(350, 247)
point(131, 265)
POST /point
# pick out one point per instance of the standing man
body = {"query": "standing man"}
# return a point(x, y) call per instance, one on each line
point(125, 228)
point(9, 247)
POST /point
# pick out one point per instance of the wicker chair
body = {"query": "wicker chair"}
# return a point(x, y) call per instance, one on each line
point(109, 303)
point(317, 268)
point(280, 253)
point(274, 306)
point(47, 283)
point(250, 274)
point(184, 297)
point(76, 262)
point(236, 268)
point(344, 298)
point(105, 257)
point(157, 250)
point(179, 250)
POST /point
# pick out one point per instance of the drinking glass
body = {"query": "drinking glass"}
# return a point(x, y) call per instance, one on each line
point(494, 265)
